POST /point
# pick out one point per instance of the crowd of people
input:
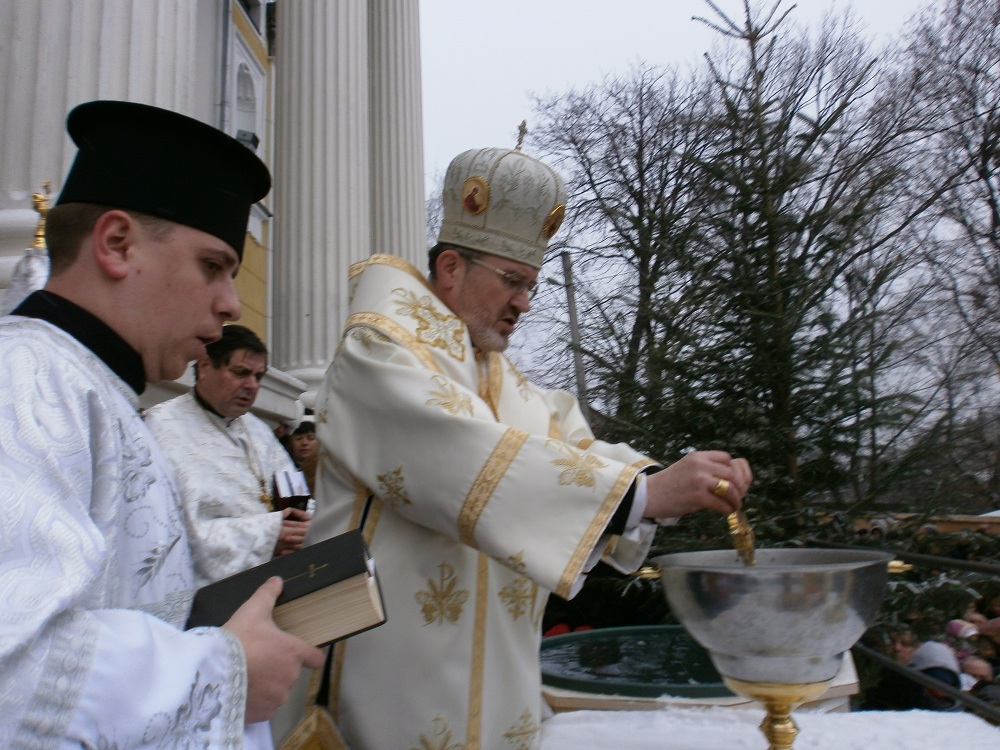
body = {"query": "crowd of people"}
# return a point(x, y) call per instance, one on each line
point(964, 654)
point(975, 638)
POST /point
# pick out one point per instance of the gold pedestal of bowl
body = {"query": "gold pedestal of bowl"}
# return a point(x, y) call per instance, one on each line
point(779, 699)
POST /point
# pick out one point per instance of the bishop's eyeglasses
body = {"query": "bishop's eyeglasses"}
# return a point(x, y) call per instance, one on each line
point(514, 281)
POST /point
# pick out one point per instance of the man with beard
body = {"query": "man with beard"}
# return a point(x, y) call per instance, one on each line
point(226, 459)
point(480, 493)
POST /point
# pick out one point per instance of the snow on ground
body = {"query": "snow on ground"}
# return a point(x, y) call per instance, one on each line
point(737, 729)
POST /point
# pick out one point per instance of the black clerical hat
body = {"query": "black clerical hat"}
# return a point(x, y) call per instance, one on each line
point(161, 163)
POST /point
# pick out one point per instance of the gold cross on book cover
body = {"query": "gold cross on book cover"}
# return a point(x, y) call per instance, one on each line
point(330, 592)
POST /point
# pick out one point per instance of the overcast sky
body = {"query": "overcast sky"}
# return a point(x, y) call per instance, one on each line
point(481, 61)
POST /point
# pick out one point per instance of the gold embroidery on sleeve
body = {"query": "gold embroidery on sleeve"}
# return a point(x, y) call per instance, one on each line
point(580, 467)
point(520, 595)
point(444, 601)
point(486, 482)
point(597, 526)
point(524, 386)
point(433, 328)
point(367, 337)
point(440, 738)
point(392, 489)
point(449, 397)
point(555, 431)
point(395, 332)
point(522, 734)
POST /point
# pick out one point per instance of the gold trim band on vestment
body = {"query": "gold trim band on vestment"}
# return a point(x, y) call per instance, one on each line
point(597, 527)
point(490, 385)
point(397, 333)
point(393, 261)
point(475, 722)
point(485, 484)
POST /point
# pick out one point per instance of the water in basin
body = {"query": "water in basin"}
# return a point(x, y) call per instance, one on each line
point(646, 661)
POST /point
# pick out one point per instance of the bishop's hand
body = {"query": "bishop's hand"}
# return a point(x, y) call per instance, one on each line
point(700, 480)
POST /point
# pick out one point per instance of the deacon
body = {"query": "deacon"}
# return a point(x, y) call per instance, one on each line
point(96, 574)
point(226, 459)
point(480, 492)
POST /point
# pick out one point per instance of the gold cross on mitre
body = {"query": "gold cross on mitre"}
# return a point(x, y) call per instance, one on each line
point(522, 130)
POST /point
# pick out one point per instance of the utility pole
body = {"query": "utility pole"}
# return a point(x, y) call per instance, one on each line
point(574, 336)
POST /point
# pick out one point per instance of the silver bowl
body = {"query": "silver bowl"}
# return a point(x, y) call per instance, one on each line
point(787, 619)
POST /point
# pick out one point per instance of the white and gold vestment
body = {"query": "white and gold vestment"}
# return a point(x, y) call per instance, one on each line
point(225, 470)
point(95, 569)
point(487, 494)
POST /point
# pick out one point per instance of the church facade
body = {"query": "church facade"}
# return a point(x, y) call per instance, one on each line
point(326, 92)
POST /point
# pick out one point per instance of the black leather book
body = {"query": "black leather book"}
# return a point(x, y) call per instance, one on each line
point(331, 591)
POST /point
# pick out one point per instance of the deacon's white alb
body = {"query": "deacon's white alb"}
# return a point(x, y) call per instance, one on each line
point(95, 570)
point(220, 464)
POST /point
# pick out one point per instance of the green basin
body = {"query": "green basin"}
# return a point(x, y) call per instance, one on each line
point(647, 661)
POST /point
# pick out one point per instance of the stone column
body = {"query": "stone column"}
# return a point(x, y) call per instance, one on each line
point(348, 163)
point(398, 214)
point(58, 54)
point(322, 183)
point(35, 54)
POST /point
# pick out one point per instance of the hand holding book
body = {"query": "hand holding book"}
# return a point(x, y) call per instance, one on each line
point(330, 592)
point(291, 535)
point(274, 659)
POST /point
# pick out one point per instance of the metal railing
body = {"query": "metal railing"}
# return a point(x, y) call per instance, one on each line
point(970, 702)
point(916, 558)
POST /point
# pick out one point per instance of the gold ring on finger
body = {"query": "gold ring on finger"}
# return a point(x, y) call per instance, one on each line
point(722, 488)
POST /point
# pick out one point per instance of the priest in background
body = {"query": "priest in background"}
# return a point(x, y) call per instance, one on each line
point(226, 460)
